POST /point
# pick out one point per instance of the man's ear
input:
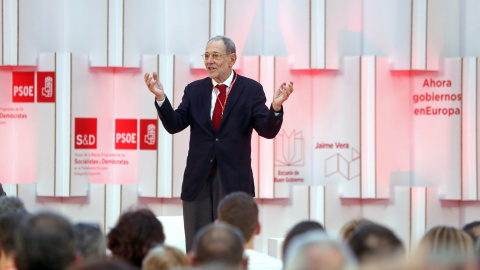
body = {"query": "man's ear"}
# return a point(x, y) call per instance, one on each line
point(216, 221)
point(233, 59)
point(258, 229)
point(78, 259)
point(244, 264)
point(191, 258)
point(15, 259)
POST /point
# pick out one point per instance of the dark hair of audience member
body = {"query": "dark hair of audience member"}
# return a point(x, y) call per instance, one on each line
point(299, 228)
point(44, 241)
point(90, 242)
point(164, 257)
point(473, 229)
point(371, 240)
point(9, 204)
point(105, 265)
point(218, 243)
point(135, 233)
point(349, 227)
point(2, 192)
point(8, 224)
point(241, 211)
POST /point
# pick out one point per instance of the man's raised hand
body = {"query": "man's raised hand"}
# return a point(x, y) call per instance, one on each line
point(154, 85)
point(281, 94)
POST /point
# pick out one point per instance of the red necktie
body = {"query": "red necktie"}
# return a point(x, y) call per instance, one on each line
point(217, 112)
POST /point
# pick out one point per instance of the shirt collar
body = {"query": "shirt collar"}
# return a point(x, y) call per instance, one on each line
point(227, 82)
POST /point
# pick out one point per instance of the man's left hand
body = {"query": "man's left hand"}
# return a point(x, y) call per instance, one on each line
point(280, 95)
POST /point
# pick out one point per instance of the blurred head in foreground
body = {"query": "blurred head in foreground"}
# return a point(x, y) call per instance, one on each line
point(316, 250)
point(219, 244)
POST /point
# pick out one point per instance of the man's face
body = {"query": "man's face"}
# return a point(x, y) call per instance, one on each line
point(219, 69)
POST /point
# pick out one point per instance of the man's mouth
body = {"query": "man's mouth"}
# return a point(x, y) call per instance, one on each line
point(211, 68)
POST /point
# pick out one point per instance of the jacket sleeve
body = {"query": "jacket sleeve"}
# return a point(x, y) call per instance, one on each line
point(174, 120)
point(266, 121)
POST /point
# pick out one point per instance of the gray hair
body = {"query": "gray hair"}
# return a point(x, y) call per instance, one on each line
point(218, 243)
point(11, 204)
point(228, 42)
point(90, 241)
point(306, 248)
point(44, 241)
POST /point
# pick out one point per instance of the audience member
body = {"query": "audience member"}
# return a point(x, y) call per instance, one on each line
point(241, 211)
point(349, 227)
point(164, 257)
point(219, 244)
point(44, 241)
point(315, 250)
point(9, 204)
point(8, 223)
point(444, 247)
point(299, 228)
point(104, 265)
point(377, 247)
point(473, 229)
point(90, 242)
point(2, 192)
point(135, 233)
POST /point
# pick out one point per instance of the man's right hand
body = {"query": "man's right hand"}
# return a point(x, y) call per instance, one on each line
point(154, 85)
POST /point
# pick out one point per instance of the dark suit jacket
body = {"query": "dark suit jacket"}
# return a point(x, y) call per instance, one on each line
point(245, 110)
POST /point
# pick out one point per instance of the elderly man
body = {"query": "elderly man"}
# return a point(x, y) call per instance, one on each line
point(45, 241)
point(221, 110)
point(219, 244)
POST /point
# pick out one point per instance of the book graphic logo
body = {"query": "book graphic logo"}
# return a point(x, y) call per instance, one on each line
point(289, 149)
point(45, 87)
point(23, 87)
point(148, 134)
point(339, 164)
point(85, 133)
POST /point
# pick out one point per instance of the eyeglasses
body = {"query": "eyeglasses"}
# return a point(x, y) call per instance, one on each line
point(215, 56)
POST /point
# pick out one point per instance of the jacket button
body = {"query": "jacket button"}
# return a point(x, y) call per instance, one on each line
point(211, 160)
point(217, 139)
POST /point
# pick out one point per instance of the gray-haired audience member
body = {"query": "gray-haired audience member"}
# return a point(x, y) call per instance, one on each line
point(316, 250)
point(299, 228)
point(219, 244)
point(90, 242)
point(2, 192)
point(9, 204)
point(44, 241)
point(8, 223)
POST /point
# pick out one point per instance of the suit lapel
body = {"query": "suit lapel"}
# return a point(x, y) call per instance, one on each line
point(233, 96)
point(207, 101)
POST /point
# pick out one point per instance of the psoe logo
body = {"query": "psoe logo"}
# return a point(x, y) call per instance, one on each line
point(126, 134)
point(23, 87)
point(148, 134)
point(85, 133)
point(45, 86)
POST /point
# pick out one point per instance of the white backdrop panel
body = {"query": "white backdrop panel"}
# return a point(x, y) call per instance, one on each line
point(336, 127)
point(78, 26)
